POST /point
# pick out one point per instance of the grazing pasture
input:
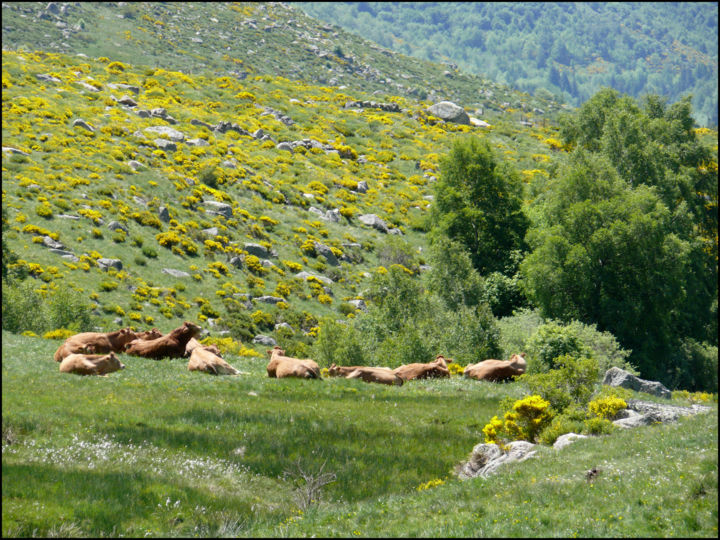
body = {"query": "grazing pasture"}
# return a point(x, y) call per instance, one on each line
point(157, 450)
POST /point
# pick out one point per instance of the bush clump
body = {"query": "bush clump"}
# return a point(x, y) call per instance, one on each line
point(524, 421)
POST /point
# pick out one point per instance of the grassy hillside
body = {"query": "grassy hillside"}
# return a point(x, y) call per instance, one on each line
point(243, 39)
point(155, 450)
point(570, 49)
point(276, 195)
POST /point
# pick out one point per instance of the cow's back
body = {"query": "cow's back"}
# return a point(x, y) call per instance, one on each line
point(203, 359)
point(491, 370)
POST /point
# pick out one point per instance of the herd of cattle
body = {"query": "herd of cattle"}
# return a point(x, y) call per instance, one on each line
point(93, 353)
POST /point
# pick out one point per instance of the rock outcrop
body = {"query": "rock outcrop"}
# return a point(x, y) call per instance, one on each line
point(619, 377)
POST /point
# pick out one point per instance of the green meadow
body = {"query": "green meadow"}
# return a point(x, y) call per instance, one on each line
point(155, 450)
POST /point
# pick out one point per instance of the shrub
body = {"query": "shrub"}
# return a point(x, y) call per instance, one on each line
point(571, 382)
point(108, 285)
point(68, 310)
point(24, 308)
point(149, 252)
point(524, 421)
point(598, 426)
point(60, 333)
point(44, 210)
point(503, 294)
point(571, 420)
point(207, 310)
point(339, 344)
point(262, 320)
point(607, 407)
point(695, 366)
point(552, 341)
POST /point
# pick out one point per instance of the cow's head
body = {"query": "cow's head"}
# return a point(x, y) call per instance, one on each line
point(114, 363)
point(194, 328)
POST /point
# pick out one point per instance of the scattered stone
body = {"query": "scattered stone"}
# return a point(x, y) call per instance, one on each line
point(66, 216)
point(619, 377)
point(47, 78)
point(358, 304)
point(264, 340)
point(11, 150)
point(167, 132)
point(477, 122)
point(69, 256)
point(486, 458)
point(269, 299)
point(49, 242)
point(236, 261)
point(135, 165)
point(212, 231)
point(122, 86)
point(175, 273)
point(197, 142)
point(142, 113)
point(285, 325)
point(645, 413)
point(259, 251)
point(325, 251)
point(108, 263)
point(115, 225)
point(448, 111)
point(284, 146)
point(223, 209)
point(164, 144)
point(163, 214)
point(83, 124)
point(389, 107)
point(127, 100)
point(196, 122)
point(564, 440)
point(224, 126)
point(374, 221)
point(333, 215)
point(362, 186)
point(89, 87)
point(305, 275)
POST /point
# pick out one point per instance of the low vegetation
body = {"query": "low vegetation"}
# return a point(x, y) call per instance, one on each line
point(155, 450)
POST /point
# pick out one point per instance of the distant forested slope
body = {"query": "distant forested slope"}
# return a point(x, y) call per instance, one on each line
point(570, 49)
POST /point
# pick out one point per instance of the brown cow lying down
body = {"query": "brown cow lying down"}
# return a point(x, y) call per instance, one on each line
point(281, 366)
point(193, 343)
point(497, 370)
point(436, 368)
point(171, 345)
point(95, 343)
point(203, 359)
point(91, 364)
point(368, 374)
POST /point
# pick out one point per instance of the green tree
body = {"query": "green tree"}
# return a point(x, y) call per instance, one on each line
point(478, 203)
point(611, 257)
point(452, 276)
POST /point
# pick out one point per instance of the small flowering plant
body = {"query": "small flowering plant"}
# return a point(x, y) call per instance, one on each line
point(524, 421)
